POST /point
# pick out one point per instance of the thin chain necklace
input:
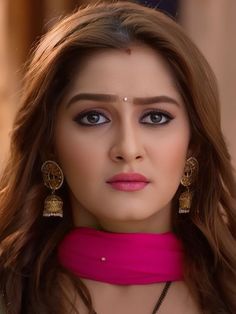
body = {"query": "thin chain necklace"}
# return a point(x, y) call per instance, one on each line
point(160, 299)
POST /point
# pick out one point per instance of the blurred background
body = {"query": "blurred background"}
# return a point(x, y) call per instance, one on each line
point(210, 23)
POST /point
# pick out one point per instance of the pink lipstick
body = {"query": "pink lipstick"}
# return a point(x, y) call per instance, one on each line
point(128, 182)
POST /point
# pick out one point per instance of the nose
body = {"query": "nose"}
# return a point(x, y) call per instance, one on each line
point(127, 144)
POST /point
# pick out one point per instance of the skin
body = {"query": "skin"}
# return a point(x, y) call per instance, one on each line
point(89, 156)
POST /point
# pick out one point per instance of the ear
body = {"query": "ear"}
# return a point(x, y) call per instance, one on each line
point(193, 149)
point(47, 154)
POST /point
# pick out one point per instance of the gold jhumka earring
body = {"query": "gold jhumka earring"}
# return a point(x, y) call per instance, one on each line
point(189, 176)
point(53, 179)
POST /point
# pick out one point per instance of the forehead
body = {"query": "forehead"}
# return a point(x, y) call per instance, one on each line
point(137, 71)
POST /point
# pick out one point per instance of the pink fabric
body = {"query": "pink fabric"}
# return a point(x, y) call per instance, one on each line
point(122, 258)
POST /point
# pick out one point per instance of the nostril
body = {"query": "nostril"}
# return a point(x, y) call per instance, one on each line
point(119, 157)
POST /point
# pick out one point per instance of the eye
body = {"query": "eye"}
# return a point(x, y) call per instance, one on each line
point(156, 117)
point(91, 118)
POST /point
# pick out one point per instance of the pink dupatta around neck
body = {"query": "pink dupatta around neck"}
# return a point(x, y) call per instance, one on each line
point(122, 258)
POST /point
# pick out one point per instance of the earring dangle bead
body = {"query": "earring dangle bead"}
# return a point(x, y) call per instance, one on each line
point(53, 179)
point(189, 176)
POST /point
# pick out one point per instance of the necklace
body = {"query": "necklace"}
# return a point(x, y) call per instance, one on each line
point(160, 299)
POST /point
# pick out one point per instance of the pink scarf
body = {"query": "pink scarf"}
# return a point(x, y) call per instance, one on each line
point(122, 258)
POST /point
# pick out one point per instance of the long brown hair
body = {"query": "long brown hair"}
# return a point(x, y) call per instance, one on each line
point(30, 276)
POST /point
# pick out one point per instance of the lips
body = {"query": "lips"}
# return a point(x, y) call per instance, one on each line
point(128, 182)
point(128, 177)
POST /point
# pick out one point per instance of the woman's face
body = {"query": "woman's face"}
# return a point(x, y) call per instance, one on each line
point(122, 114)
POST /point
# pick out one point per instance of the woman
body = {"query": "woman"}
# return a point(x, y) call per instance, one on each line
point(118, 196)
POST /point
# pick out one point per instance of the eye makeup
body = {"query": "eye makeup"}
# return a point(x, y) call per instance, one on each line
point(153, 117)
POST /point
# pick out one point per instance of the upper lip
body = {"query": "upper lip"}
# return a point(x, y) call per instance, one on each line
point(132, 176)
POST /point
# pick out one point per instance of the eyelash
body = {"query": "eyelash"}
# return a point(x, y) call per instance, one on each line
point(79, 117)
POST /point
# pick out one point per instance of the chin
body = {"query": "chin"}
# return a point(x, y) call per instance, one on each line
point(134, 215)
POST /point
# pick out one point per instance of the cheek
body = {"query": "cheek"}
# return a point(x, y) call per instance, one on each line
point(76, 154)
point(169, 155)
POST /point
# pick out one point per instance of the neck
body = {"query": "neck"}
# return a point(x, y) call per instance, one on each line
point(160, 222)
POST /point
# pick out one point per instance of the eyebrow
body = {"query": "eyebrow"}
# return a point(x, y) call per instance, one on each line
point(113, 98)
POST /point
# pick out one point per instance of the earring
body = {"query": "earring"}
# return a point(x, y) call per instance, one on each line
point(189, 176)
point(53, 179)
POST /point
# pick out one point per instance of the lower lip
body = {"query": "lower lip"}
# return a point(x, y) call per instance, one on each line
point(128, 185)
